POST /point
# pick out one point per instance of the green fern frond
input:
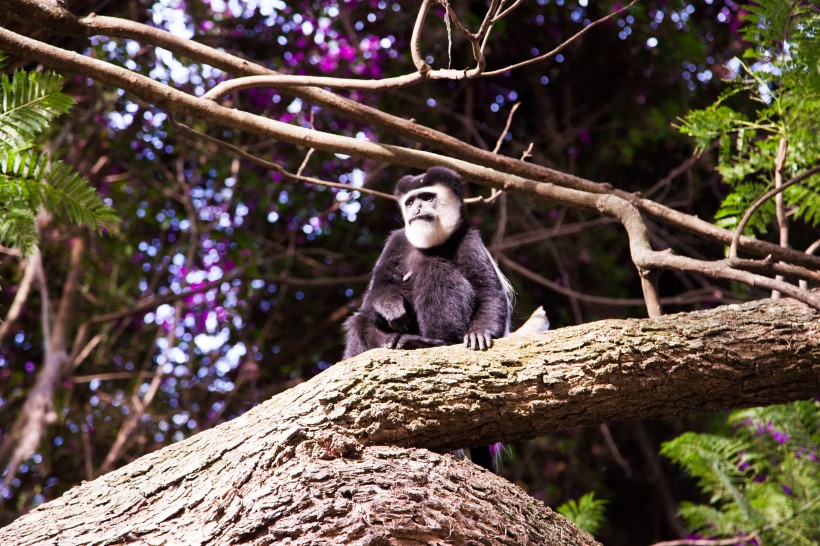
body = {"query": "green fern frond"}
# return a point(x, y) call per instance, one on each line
point(30, 102)
point(764, 479)
point(28, 180)
point(736, 204)
point(18, 229)
point(766, 22)
point(719, 464)
point(587, 513)
point(708, 519)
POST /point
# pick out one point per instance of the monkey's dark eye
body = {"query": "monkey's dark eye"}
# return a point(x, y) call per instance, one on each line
point(427, 196)
point(409, 201)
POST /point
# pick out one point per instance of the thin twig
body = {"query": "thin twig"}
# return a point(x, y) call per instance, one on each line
point(507, 11)
point(539, 235)
point(677, 171)
point(309, 152)
point(275, 166)
point(613, 449)
point(506, 127)
point(710, 542)
point(290, 81)
point(526, 154)
point(495, 193)
point(424, 71)
point(564, 45)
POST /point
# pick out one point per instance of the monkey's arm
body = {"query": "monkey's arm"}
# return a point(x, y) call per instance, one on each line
point(491, 317)
point(384, 293)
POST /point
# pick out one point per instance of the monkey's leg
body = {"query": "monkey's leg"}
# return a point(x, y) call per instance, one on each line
point(363, 334)
point(411, 341)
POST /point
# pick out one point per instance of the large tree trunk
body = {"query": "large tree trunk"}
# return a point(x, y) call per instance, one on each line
point(313, 464)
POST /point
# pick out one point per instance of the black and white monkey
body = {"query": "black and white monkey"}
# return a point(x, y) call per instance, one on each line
point(435, 283)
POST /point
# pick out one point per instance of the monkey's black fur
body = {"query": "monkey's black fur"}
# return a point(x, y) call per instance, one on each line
point(424, 297)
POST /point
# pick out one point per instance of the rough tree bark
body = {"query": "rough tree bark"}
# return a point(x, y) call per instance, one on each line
point(345, 457)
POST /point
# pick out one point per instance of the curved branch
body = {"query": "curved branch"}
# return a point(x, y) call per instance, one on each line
point(415, 38)
point(507, 11)
point(425, 72)
point(285, 81)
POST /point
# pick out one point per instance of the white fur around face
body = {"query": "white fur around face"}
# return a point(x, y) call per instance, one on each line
point(447, 217)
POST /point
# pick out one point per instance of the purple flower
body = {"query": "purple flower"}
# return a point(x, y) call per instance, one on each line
point(787, 490)
point(780, 437)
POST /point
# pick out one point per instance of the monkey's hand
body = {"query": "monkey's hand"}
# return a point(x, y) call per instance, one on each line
point(393, 311)
point(478, 340)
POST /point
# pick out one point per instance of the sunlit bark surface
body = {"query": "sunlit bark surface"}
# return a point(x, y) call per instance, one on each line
point(310, 465)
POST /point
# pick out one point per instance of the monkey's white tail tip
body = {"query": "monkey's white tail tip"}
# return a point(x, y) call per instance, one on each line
point(537, 323)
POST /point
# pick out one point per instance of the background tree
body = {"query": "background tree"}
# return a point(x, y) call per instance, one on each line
point(230, 277)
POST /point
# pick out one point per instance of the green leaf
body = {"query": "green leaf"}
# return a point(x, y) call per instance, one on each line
point(587, 513)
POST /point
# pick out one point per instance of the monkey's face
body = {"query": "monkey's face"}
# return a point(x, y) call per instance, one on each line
point(431, 215)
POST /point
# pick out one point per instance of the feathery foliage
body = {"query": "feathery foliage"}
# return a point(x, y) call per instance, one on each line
point(587, 513)
point(763, 482)
point(30, 179)
point(780, 74)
